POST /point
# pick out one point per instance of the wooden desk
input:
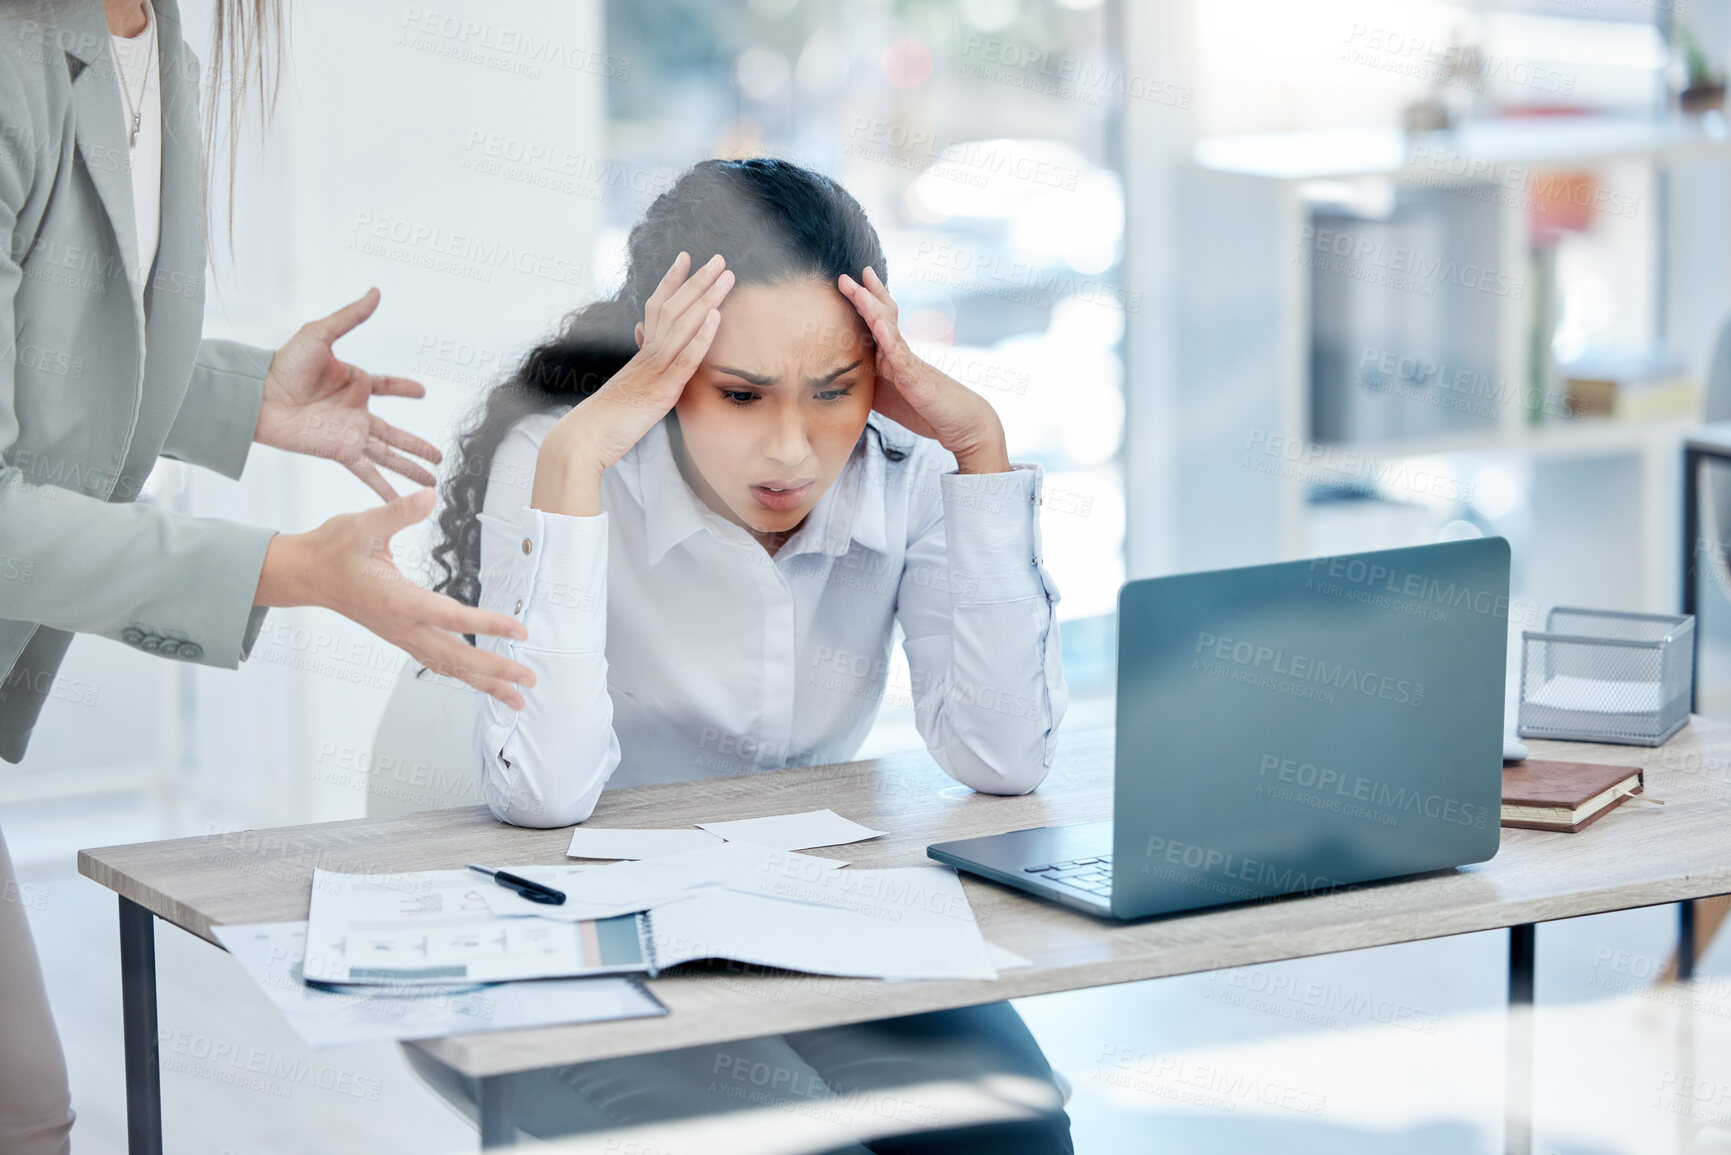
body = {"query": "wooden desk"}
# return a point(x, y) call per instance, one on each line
point(1639, 855)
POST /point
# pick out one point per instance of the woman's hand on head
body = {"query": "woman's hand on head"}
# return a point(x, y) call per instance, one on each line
point(317, 405)
point(912, 393)
point(679, 323)
point(346, 565)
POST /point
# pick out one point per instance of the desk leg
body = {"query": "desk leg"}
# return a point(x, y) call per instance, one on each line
point(1518, 1110)
point(1686, 940)
point(498, 1105)
point(138, 1018)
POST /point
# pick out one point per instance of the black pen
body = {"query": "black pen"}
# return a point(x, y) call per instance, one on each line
point(527, 887)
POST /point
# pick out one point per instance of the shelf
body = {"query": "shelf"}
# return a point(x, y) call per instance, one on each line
point(1485, 146)
point(1557, 440)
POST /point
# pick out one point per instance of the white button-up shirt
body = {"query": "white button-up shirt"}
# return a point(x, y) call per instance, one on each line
point(668, 645)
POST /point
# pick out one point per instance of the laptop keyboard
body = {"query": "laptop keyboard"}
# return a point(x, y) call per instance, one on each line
point(1093, 875)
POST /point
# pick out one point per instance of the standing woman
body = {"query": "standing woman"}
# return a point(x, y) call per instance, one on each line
point(102, 370)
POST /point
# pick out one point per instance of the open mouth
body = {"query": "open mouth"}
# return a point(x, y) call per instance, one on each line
point(781, 496)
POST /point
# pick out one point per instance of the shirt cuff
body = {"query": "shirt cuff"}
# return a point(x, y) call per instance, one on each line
point(992, 536)
point(559, 581)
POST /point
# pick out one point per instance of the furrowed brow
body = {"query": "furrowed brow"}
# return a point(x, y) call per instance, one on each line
point(819, 382)
point(753, 378)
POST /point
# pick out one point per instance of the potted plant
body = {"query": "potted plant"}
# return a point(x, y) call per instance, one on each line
point(1705, 88)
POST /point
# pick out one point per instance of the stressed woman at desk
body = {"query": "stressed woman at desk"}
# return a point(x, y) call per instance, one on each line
point(710, 499)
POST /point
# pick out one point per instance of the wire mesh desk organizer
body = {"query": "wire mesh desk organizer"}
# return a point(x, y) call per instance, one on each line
point(1605, 676)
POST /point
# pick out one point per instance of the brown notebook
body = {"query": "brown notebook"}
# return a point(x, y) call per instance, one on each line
point(1565, 796)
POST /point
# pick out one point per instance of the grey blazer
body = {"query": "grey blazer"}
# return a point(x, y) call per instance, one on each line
point(102, 370)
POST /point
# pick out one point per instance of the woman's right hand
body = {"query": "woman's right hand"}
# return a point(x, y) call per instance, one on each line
point(346, 565)
point(679, 323)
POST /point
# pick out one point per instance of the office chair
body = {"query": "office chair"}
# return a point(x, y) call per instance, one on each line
point(422, 756)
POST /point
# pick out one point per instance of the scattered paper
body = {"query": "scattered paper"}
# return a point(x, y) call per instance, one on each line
point(904, 923)
point(435, 926)
point(598, 843)
point(272, 953)
point(793, 831)
point(733, 900)
point(627, 887)
point(1006, 959)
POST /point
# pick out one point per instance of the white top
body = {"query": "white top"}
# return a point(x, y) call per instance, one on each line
point(139, 68)
point(668, 645)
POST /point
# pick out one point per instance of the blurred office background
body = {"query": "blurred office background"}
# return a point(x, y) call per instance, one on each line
point(1250, 279)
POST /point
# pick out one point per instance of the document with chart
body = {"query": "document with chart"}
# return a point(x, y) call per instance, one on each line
point(434, 926)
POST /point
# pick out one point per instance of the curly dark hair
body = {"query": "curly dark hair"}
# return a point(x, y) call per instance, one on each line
point(773, 221)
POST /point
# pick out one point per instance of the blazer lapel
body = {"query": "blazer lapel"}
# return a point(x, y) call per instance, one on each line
point(99, 129)
point(180, 251)
point(174, 289)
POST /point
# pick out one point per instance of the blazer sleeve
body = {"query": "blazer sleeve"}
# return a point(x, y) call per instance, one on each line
point(977, 608)
point(215, 423)
point(547, 764)
point(141, 575)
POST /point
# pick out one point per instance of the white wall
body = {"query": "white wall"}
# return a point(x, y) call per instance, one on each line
point(375, 170)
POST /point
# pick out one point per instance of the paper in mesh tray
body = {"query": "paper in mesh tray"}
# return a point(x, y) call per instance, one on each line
point(1598, 695)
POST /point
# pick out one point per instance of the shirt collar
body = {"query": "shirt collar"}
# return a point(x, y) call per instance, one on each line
point(842, 516)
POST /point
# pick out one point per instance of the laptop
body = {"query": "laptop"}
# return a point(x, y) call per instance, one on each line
point(1288, 728)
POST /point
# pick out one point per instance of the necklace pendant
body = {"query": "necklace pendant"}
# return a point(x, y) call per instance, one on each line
point(132, 137)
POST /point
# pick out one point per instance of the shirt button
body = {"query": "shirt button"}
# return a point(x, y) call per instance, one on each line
point(519, 608)
point(170, 647)
point(528, 545)
point(191, 651)
point(152, 643)
point(132, 635)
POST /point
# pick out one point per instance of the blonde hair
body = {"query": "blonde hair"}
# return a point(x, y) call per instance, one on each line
point(246, 49)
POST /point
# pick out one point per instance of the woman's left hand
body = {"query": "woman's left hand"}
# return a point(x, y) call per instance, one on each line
point(912, 393)
point(317, 405)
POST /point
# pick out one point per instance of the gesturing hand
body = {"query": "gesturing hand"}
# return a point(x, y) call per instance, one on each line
point(912, 393)
point(317, 405)
point(346, 565)
point(679, 323)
